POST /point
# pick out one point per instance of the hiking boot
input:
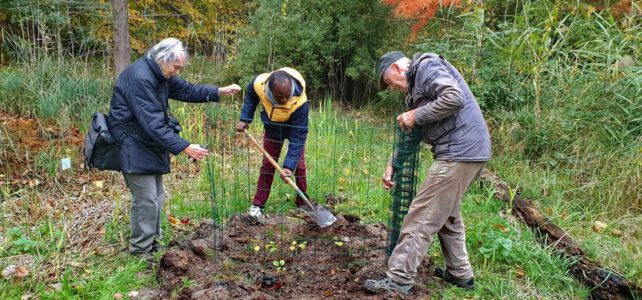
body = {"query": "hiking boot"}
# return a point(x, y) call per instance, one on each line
point(467, 284)
point(387, 285)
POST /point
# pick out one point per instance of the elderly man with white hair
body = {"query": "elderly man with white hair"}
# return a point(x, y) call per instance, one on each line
point(139, 119)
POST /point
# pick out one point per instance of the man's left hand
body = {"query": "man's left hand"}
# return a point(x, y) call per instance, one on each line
point(229, 90)
point(407, 120)
point(286, 173)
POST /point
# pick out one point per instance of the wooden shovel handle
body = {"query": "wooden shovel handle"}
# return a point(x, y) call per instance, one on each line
point(276, 165)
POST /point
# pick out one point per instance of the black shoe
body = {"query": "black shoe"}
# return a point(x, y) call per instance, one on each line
point(467, 284)
point(144, 256)
point(157, 248)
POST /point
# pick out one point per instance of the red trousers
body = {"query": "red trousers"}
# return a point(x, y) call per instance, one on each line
point(266, 176)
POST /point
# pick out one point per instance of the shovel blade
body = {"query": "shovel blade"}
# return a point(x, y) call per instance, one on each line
point(321, 216)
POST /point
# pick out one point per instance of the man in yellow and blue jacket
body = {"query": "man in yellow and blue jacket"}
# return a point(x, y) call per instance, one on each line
point(285, 117)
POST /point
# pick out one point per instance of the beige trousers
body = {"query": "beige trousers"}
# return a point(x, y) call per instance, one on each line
point(436, 209)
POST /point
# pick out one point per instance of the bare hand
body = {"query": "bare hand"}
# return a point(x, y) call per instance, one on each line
point(407, 120)
point(229, 90)
point(240, 126)
point(196, 152)
point(388, 183)
point(286, 173)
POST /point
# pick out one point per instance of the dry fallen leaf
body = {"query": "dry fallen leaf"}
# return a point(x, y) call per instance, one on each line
point(34, 182)
point(563, 216)
point(501, 227)
point(118, 296)
point(599, 226)
point(172, 220)
point(50, 204)
point(26, 296)
point(328, 293)
point(617, 232)
point(8, 271)
point(21, 272)
point(56, 286)
point(520, 273)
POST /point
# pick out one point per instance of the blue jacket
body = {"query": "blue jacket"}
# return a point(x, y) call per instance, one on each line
point(138, 116)
point(295, 130)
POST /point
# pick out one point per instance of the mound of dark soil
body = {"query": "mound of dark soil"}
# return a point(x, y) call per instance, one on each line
point(284, 258)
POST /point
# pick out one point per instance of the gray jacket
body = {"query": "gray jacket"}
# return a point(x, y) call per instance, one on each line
point(447, 113)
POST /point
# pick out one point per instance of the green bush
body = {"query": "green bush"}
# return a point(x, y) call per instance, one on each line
point(332, 43)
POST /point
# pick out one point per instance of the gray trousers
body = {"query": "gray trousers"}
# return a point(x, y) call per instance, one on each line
point(147, 202)
point(436, 209)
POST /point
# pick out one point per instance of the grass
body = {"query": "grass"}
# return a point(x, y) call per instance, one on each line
point(507, 260)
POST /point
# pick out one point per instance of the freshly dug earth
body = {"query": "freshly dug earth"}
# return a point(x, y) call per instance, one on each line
point(241, 260)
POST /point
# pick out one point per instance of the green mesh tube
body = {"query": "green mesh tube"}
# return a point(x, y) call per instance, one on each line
point(212, 185)
point(405, 162)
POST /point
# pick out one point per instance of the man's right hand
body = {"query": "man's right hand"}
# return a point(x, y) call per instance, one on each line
point(240, 126)
point(229, 90)
point(196, 152)
point(388, 183)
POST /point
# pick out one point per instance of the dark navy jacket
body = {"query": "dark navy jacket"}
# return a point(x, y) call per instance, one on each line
point(138, 116)
point(295, 130)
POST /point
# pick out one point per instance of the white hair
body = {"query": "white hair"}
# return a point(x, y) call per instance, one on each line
point(168, 50)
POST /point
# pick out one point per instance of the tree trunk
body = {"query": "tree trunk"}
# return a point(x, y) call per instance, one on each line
point(604, 283)
point(122, 53)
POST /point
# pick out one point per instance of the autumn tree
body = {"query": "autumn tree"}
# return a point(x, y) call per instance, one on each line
point(421, 10)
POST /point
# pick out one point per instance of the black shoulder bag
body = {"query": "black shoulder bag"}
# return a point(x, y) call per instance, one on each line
point(101, 150)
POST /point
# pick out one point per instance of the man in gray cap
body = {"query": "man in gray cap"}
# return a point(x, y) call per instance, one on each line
point(450, 120)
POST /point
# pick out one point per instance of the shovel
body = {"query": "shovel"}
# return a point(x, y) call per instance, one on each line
point(320, 214)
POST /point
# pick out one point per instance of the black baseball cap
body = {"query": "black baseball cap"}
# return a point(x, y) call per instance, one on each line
point(384, 62)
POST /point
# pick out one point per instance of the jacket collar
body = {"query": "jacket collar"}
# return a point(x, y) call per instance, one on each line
point(153, 65)
point(417, 59)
